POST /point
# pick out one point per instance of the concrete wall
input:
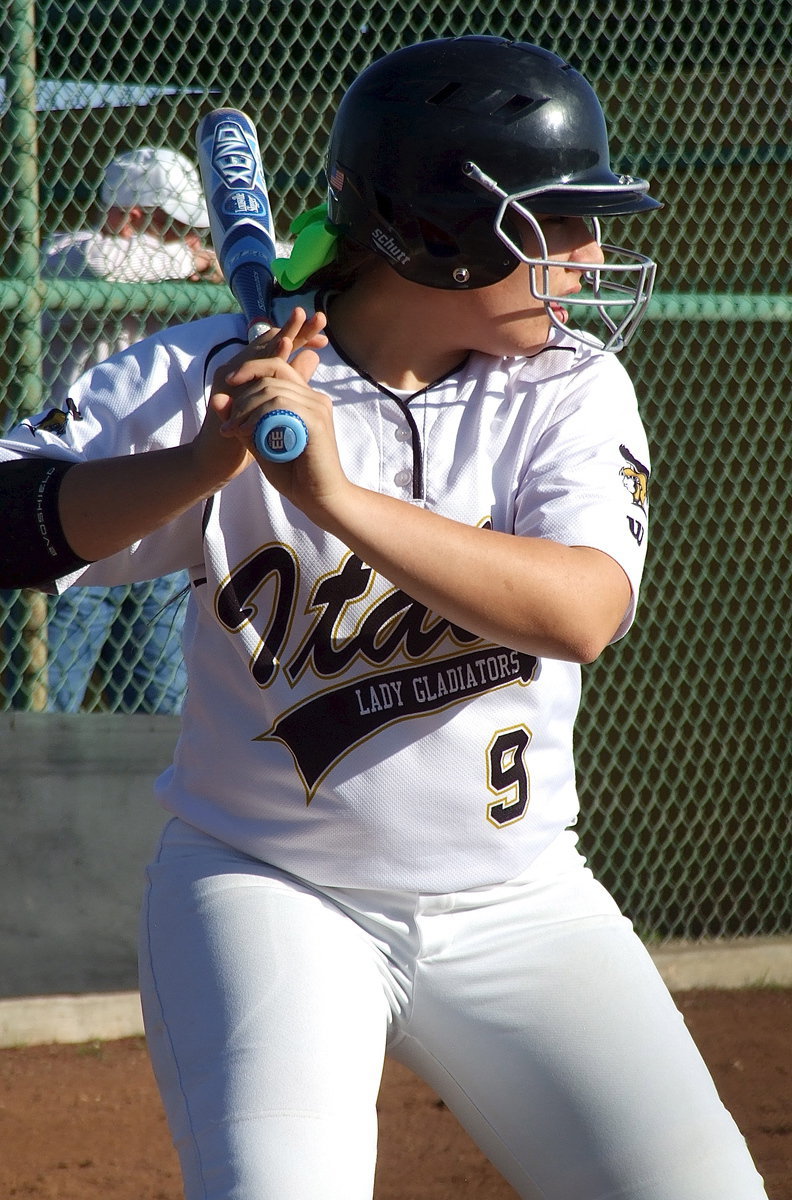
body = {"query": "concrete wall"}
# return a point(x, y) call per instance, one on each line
point(79, 821)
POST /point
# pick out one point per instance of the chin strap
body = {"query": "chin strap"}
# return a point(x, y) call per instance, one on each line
point(315, 245)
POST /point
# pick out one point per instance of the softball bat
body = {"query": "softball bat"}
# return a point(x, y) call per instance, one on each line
point(240, 220)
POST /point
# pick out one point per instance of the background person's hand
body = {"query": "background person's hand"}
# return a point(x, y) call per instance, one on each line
point(207, 268)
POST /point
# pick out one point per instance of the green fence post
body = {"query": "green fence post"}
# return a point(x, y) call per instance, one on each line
point(23, 202)
point(23, 219)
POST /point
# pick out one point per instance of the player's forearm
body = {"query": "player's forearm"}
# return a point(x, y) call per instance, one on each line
point(108, 504)
point(530, 594)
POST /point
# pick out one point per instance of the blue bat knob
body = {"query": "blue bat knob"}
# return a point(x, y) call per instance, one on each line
point(280, 436)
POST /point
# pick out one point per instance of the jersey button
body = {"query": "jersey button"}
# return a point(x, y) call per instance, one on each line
point(402, 478)
point(402, 434)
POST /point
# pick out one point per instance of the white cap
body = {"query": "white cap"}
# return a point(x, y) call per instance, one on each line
point(156, 179)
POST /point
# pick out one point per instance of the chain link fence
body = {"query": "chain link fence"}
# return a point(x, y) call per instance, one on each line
point(685, 735)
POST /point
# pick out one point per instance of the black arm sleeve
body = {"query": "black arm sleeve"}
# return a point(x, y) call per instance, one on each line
point(33, 549)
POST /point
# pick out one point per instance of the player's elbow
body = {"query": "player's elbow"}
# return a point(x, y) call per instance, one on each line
point(576, 646)
point(578, 632)
point(587, 649)
point(592, 608)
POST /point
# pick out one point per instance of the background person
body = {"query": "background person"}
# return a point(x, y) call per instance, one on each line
point(153, 229)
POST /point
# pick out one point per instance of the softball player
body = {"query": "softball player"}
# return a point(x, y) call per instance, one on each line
point(370, 848)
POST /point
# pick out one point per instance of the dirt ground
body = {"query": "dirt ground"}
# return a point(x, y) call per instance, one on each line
point(85, 1122)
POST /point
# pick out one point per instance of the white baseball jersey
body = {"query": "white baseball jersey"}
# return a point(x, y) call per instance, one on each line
point(334, 727)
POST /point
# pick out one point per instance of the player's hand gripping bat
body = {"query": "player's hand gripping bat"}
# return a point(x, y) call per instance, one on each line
point(240, 219)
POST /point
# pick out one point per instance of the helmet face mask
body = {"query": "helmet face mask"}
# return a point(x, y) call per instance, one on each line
point(620, 289)
point(436, 145)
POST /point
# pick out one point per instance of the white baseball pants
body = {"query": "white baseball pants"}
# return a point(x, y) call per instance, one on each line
point(531, 1008)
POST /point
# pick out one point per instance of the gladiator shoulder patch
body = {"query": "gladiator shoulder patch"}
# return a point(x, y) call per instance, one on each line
point(55, 420)
point(635, 477)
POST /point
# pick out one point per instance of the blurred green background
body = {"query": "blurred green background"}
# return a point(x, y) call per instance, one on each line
point(685, 739)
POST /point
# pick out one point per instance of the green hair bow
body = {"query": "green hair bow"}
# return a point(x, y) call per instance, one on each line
point(315, 245)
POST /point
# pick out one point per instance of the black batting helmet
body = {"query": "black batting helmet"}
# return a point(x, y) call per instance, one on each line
point(409, 127)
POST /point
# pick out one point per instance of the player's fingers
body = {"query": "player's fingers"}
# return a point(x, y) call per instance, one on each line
point(280, 348)
point(239, 386)
point(297, 325)
point(297, 333)
point(305, 363)
point(312, 330)
point(264, 395)
point(294, 322)
point(262, 383)
point(301, 331)
point(270, 344)
point(301, 328)
point(260, 366)
point(316, 340)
